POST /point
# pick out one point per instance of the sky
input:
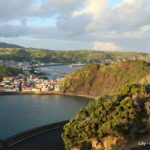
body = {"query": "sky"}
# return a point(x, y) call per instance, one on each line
point(105, 25)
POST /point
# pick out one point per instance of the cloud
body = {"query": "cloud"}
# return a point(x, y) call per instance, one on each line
point(52, 7)
point(130, 15)
point(13, 9)
point(73, 26)
point(145, 28)
point(106, 46)
point(95, 8)
point(13, 30)
point(84, 21)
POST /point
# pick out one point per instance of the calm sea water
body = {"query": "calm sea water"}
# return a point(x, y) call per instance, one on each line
point(22, 112)
point(58, 71)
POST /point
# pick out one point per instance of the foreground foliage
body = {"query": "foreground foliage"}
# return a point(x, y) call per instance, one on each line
point(122, 114)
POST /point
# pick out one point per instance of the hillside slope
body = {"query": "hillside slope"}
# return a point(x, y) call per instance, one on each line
point(96, 79)
point(6, 45)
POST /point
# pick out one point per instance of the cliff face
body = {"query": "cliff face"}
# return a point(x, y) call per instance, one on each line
point(96, 79)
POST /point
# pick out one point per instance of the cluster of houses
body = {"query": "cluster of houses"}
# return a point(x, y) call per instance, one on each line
point(28, 84)
point(27, 81)
point(15, 64)
point(25, 65)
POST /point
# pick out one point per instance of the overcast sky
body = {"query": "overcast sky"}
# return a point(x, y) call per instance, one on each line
point(108, 25)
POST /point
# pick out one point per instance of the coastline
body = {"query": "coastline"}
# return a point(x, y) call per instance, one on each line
point(2, 93)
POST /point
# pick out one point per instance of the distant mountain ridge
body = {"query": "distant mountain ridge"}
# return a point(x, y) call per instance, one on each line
point(19, 53)
point(7, 45)
point(69, 56)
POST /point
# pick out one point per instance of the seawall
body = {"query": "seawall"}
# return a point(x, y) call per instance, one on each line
point(9, 142)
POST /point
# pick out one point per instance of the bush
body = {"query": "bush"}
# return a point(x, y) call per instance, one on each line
point(109, 115)
point(86, 145)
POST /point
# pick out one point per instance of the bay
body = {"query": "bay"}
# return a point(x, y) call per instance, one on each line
point(22, 112)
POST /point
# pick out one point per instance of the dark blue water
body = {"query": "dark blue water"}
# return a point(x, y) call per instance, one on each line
point(22, 112)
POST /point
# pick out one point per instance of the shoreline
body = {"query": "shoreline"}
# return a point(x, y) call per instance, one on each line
point(2, 93)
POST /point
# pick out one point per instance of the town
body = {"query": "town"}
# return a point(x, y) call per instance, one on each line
point(30, 80)
point(31, 83)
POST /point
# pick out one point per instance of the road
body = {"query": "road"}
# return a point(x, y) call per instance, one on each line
point(50, 140)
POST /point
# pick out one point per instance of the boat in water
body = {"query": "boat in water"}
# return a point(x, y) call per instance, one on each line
point(74, 65)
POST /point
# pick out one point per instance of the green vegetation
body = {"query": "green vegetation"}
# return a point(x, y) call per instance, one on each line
point(8, 71)
point(125, 114)
point(97, 79)
point(61, 56)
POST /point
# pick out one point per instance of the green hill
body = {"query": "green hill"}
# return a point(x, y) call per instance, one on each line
point(6, 45)
point(97, 79)
point(112, 122)
point(8, 71)
point(69, 56)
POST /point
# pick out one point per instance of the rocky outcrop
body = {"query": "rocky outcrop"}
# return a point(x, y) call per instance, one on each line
point(106, 143)
point(145, 80)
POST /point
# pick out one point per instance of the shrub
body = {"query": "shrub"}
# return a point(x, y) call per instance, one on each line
point(109, 115)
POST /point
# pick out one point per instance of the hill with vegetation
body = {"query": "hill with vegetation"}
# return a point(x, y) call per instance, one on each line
point(112, 122)
point(8, 71)
point(6, 45)
point(97, 79)
point(68, 56)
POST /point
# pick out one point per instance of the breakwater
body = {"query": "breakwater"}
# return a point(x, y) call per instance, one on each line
point(9, 142)
point(49, 65)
